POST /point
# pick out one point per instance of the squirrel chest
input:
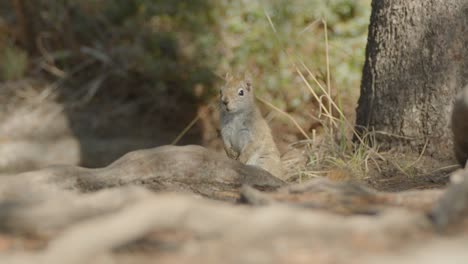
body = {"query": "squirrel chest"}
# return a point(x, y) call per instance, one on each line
point(235, 131)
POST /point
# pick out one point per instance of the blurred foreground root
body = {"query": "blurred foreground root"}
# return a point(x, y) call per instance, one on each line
point(99, 215)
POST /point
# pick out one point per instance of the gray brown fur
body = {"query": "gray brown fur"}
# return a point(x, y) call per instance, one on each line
point(460, 126)
point(245, 133)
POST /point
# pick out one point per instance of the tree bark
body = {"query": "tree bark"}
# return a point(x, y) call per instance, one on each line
point(416, 62)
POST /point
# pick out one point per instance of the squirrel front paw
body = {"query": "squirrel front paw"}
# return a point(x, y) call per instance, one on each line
point(231, 153)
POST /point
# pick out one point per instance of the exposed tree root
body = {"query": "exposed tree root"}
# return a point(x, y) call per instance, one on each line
point(191, 169)
point(343, 197)
point(85, 220)
point(452, 208)
point(242, 229)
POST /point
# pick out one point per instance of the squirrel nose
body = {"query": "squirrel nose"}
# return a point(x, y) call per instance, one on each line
point(224, 100)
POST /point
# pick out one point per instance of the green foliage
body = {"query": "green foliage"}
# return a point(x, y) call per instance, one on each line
point(13, 63)
point(253, 44)
point(173, 46)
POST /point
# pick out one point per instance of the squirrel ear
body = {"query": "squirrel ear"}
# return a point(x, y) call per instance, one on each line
point(248, 84)
point(248, 81)
point(227, 77)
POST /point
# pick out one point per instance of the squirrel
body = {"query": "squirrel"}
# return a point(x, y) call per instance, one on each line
point(246, 135)
point(460, 126)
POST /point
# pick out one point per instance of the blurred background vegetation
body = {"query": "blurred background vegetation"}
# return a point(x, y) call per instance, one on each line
point(113, 62)
point(180, 47)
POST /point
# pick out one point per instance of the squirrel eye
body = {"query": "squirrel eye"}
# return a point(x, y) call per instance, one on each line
point(241, 92)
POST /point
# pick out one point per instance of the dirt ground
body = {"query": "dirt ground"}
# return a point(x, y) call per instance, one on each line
point(37, 129)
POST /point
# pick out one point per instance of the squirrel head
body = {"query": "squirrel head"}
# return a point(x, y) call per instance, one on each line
point(236, 94)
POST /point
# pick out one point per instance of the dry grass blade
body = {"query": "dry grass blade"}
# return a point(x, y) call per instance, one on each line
point(291, 61)
point(186, 129)
point(190, 125)
point(314, 94)
point(330, 99)
point(309, 26)
point(419, 157)
point(327, 59)
point(332, 151)
point(286, 115)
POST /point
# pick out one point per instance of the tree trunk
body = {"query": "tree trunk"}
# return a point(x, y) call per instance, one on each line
point(416, 62)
